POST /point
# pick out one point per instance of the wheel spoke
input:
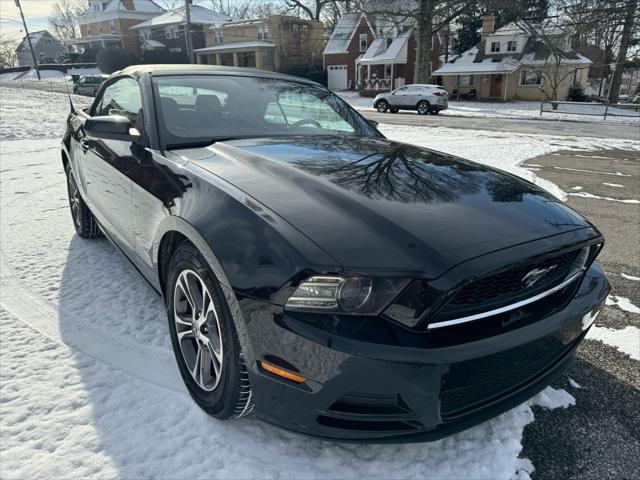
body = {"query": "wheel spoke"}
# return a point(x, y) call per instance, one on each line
point(185, 333)
point(216, 359)
point(195, 372)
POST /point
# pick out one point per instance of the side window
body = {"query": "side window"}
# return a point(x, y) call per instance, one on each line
point(121, 98)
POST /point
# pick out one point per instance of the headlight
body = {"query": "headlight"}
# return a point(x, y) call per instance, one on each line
point(354, 294)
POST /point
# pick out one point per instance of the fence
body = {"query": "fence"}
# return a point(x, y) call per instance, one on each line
point(593, 109)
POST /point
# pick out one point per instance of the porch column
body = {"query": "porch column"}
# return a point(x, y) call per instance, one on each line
point(218, 60)
point(102, 42)
point(236, 59)
point(391, 86)
point(258, 56)
point(506, 85)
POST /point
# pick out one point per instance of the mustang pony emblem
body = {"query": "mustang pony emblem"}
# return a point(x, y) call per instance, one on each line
point(531, 278)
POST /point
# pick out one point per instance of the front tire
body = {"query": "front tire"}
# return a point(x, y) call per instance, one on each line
point(382, 106)
point(83, 220)
point(204, 338)
point(423, 107)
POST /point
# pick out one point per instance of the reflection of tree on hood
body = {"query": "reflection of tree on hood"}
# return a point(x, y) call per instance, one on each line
point(508, 191)
point(397, 172)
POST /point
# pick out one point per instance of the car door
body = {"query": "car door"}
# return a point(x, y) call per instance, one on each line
point(398, 98)
point(108, 165)
point(407, 97)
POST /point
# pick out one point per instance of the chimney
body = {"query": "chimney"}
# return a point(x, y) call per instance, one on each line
point(488, 26)
point(128, 4)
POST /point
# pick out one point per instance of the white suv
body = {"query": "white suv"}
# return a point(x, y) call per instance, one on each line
point(423, 98)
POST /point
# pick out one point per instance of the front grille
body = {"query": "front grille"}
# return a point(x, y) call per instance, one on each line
point(507, 287)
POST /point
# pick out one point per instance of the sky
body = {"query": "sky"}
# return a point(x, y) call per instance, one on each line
point(35, 12)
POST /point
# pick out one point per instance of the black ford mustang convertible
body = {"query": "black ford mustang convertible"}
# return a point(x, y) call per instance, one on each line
point(337, 283)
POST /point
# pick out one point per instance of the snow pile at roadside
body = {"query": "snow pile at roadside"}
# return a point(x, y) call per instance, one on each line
point(506, 151)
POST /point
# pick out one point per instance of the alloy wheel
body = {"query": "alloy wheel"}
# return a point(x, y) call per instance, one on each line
point(74, 199)
point(198, 330)
point(382, 106)
point(423, 108)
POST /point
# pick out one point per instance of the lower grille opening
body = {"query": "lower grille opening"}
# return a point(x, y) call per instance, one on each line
point(370, 426)
point(470, 385)
point(370, 412)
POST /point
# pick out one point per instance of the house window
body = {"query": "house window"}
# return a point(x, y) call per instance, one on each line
point(363, 42)
point(465, 80)
point(531, 78)
point(263, 32)
point(144, 35)
point(100, 27)
point(512, 46)
point(495, 47)
point(171, 32)
point(112, 25)
point(218, 37)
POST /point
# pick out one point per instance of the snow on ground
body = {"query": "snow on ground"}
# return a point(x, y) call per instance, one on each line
point(56, 75)
point(627, 339)
point(35, 114)
point(88, 385)
point(523, 110)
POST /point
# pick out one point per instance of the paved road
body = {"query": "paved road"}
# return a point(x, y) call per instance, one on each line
point(599, 437)
point(544, 127)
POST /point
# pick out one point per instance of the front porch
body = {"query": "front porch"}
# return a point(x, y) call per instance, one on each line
point(258, 54)
point(96, 41)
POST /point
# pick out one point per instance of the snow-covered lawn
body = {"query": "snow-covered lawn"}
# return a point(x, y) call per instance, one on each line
point(88, 384)
point(523, 110)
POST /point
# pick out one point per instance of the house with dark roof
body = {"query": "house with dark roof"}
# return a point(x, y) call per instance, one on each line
point(46, 47)
point(517, 61)
point(167, 31)
point(373, 52)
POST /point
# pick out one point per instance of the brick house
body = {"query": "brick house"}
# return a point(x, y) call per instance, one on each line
point(106, 23)
point(366, 52)
point(278, 43)
point(45, 46)
point(168, 30)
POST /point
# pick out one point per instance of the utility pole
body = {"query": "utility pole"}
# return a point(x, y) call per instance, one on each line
point(187, 30)
point(33, 54)
point(616, 79)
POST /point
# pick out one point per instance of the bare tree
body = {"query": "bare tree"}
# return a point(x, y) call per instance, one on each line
point(8, 54)
point(630, 20)
point(320, 9)
point(63, 20)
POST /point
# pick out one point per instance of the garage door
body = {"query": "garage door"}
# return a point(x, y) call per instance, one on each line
point(337, 77)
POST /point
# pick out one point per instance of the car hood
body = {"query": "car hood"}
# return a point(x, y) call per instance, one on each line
point(375, 204)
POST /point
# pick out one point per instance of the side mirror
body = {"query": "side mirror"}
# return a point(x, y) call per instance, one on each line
point(112, 127)
point(373, 123)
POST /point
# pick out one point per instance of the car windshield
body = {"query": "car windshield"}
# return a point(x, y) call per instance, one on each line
point(205, 108)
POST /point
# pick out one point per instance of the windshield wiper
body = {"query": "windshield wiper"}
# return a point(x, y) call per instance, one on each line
point(201, 143)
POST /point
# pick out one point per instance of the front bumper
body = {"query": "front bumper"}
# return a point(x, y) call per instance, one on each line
point(364, 391)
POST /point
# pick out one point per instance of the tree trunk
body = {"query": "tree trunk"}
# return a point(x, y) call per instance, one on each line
point(424, 31)
point(616, 79)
